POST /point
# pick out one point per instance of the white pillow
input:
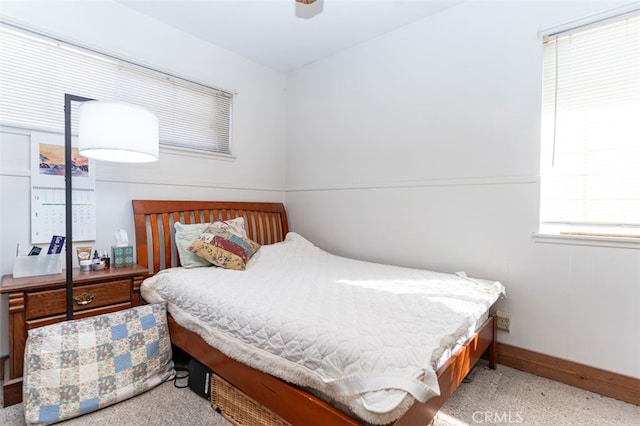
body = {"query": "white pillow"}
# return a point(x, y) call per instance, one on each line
point(185, 236)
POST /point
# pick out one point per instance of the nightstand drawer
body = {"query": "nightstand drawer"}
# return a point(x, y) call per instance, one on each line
point(53, 302)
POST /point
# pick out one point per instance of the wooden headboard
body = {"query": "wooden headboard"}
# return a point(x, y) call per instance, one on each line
point(153, 219)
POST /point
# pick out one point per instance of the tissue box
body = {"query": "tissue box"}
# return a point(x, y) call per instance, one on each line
point(31, 266)
point(121, 256)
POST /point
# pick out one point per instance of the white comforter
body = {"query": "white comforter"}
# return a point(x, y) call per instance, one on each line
point(365, 334)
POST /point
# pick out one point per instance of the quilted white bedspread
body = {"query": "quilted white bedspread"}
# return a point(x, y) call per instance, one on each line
point(365, 334)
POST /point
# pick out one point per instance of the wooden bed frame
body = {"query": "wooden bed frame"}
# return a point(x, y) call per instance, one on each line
point(267, 224)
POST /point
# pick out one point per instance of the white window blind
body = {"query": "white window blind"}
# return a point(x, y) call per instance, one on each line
point(36, 72)
point(590, 151)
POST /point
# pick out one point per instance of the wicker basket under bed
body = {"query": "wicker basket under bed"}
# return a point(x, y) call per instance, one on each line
point(238, 408)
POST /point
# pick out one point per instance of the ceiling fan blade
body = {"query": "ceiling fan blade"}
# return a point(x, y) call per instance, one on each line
point(306, 1)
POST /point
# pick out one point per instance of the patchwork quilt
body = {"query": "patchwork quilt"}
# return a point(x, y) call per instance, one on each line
point(76, 367)
point(366, 335)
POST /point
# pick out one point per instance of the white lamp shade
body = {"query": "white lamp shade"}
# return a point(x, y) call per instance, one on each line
point(114, 131)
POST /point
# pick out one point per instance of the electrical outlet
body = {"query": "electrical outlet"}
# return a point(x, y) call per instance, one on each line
point(503, 321)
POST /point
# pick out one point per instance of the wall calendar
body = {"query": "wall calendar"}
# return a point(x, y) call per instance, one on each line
point(48, 191)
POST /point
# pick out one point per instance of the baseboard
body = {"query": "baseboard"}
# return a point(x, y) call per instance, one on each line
point(3, 366)
point(602, 382)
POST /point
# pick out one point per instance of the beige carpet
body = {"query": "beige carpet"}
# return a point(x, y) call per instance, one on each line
point(503, 396)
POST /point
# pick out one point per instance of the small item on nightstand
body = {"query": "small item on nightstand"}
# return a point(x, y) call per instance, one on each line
point(84, 253)
point(85, 265)
point(97, 263)
point(30, 266)
point(35, 250)
point(121, 256)
point(56, 245)
point(106, 259)
point(122, 252)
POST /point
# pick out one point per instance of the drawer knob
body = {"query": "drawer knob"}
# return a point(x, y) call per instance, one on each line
point(84, 298)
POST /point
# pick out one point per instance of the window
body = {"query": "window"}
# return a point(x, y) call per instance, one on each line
point(590, 151)
point(36, 72)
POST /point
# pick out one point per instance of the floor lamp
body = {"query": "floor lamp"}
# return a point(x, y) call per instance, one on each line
point(107, 131)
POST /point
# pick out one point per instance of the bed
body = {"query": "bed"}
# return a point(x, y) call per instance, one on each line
point(266, 224)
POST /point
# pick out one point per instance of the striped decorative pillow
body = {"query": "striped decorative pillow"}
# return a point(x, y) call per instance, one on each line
point(224, 248)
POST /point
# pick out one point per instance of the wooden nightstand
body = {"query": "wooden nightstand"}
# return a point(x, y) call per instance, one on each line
point(41, 300)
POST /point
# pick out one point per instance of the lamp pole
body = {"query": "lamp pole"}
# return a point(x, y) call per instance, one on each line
point(68, 173)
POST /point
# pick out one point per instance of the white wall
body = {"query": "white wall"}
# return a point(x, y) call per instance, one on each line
point(421, 148)
point(257, 173)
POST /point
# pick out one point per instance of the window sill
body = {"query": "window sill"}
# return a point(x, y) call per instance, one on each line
point(580, 240)
point(186, 152)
